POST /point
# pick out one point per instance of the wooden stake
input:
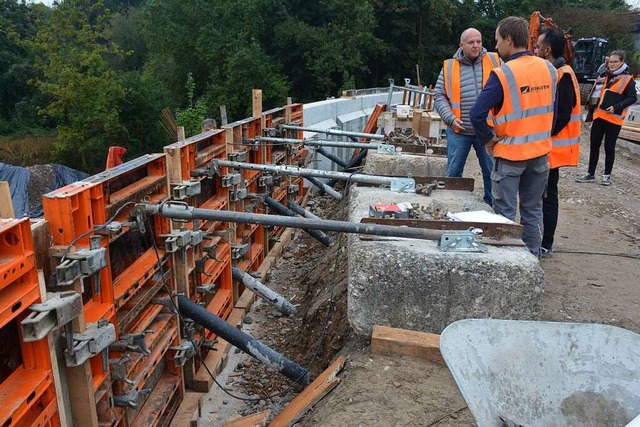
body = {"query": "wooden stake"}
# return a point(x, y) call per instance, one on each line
point(181, 134)
point(223, 115)
point(257, 103)
point(6, 205)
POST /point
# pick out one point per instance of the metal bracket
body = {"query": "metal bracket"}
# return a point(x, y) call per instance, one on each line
point(187, 189)
point(239, 251)
point(461, 241)
point(132, 342)
point(207, 289)
point(238, 156)
point(231, 180)
point(386, 149)
point(97, 337)
point(292, 189)
point(403, 185)
point(58, 310)
point(166, 302)
point(131, 397)
point(184, 352)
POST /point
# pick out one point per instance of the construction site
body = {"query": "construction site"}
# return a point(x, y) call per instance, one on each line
point(312, 265)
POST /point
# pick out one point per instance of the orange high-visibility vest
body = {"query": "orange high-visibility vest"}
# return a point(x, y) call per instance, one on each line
point(525, 119)
point(566, 144)
point(451, 75)
point(618, 87)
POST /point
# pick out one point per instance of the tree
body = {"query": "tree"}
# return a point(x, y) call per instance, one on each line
point(85, 93)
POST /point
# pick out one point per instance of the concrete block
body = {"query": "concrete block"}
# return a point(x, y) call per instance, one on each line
point(411, 284)
point(404, 164)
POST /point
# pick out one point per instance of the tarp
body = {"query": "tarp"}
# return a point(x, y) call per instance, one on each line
point(19, 179)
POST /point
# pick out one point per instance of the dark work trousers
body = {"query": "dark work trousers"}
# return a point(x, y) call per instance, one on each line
point(525, 180)
point(550, 209)
point(602, 128)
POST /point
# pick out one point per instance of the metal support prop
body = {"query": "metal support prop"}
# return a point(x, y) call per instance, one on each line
point(296, 171)
point(243, 341)
point(319, 142)
point(300, 210)
point(258, 288)
point(283, 210)
point(335, 132)
point(181, 211)
point(354, 163)
point(324, 188)
point(335, 159)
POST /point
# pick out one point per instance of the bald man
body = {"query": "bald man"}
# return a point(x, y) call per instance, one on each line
point(459, 83)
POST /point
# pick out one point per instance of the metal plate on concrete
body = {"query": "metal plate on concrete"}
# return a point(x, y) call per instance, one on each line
point(544, 373)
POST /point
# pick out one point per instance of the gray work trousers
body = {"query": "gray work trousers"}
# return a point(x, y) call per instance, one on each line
point(528, 178)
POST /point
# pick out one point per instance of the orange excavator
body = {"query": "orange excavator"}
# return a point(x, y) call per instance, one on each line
point(537, 23)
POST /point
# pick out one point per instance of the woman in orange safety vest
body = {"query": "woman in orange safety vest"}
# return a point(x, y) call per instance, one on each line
point(615, 94)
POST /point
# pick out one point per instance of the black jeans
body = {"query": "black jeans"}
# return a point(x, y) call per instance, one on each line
point(602, 128)
point(550, 209)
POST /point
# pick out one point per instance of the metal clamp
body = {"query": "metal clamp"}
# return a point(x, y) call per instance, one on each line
point(97, 337)
point(132, 342)
point(462, 241)
point(231, 180)
point(237, 194)
point(265, 181)
point(58, 310)
point(184, 352)
point(131, 397)
point(239, 251)
point(118, 369)
point(292, 189)
point(82, 263)
point(167, 302)
point(207, 289)
point(187, 189)
point(403, 185)
point(181, 239)
point(238, 156)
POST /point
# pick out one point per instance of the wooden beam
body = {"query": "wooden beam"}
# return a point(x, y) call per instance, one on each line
point(6, 205)
point(181, 134)
point(392, 341)
point(189, 411)
point(311, 395)
point(257, 103)
point(254, 420)
point(223, 115)
point(41, 243)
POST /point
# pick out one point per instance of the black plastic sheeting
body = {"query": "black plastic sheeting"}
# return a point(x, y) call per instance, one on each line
point(19, 177)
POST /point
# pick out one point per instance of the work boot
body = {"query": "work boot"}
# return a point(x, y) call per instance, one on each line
point(544, 252)
point(587, 177)
point(606, 180)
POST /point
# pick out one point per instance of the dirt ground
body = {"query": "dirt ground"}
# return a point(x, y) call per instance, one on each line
point(599, 285)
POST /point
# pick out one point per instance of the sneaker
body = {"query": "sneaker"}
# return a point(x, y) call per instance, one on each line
point(544, 252)
point(606, 180)
point(586, 178)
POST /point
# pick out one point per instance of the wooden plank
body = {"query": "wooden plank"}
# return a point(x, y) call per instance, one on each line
point(215, 360)
point(188, 411)
point(254, 420)
point(311, 395)
point(246, 300)
point(41, 244)
point(223, 115)
point(393, 341)
point(6, 204)
point(181, 134)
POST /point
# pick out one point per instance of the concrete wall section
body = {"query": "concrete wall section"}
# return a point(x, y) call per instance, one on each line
point(411, 284)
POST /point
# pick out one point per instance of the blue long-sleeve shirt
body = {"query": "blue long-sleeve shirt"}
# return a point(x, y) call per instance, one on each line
point(490, 97)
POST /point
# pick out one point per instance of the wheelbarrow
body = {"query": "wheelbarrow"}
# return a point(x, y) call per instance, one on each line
point(522, 373)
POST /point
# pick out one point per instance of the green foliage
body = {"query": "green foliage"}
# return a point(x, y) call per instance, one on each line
point(85, 94)
point(192, 116)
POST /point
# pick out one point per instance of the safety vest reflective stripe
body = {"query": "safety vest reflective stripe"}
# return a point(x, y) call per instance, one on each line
point(451, 75)
point(525, 119)
point(518, 112)
point(618, 87)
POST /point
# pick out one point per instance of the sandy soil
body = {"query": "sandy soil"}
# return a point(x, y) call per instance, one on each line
point(383, 391)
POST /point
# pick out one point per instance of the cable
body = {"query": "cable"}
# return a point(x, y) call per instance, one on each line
point(93, 230)
point(621, 255)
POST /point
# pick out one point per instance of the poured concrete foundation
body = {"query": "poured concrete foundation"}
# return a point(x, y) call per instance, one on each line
point(411, 284)
point(405, 164)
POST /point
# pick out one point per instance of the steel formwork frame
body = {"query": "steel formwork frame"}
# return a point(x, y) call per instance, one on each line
point(27, 390)
point(129, 283)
